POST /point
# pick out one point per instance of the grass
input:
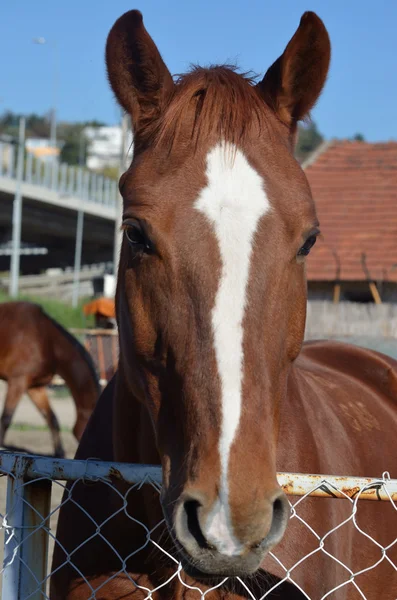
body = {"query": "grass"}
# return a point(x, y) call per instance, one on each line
point(64, 313)
point(60, 392)
point(26, 427)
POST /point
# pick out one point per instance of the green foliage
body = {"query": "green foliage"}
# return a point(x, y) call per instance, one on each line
point(65, 314)
point(36, 126)
point(74, 146)
point(309, 138)
point(111, 172)
point(27, 427)
point(358, 137)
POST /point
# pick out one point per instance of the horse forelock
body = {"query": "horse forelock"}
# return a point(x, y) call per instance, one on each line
point(206, 101)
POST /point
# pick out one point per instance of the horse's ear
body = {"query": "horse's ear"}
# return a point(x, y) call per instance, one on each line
point(294, 82)
point(137, 73)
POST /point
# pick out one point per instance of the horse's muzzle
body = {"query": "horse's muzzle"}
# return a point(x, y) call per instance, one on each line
point(204, 554)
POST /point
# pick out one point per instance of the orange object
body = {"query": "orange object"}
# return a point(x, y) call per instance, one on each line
point(102, 306)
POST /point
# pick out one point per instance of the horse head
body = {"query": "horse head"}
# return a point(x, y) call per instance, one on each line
point(218, 218)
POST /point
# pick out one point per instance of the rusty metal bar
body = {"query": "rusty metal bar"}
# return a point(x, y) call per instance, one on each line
point(294, 484)
point(330, 486)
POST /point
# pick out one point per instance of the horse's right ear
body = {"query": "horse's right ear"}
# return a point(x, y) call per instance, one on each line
point(137, 73)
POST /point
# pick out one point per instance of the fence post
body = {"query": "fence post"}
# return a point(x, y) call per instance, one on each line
point(26, 536)
point(100, 189)
point(11, 158)
point(107, 191)
point(54, 175)
point(36, 171)
point(70, 189)
point(46, 175)
point(62, 183)
point(29, 163)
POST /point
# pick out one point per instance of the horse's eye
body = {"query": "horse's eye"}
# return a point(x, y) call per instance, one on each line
point(137, 239)
point(307, 246)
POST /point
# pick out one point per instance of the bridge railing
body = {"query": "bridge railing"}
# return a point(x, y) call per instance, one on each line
point(64, 179)
point(34, 496)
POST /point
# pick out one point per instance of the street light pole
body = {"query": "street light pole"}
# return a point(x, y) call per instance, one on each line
point(80, 227)
point(53, 126)
point(17, 214)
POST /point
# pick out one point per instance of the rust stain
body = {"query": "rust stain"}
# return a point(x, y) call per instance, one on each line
point(350, 491)
point(113, 472)
point(339, 487)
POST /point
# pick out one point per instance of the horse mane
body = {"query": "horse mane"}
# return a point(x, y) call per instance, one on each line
point(216, 99)
point(85, 355)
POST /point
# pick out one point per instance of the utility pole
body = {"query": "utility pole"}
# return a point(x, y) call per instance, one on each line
point(119, 207)
point(80, 226)
point(17, 214)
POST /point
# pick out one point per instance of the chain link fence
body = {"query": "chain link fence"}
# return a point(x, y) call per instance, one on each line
point(34, 496)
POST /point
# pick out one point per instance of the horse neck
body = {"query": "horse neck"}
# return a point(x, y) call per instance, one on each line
point(133, 441)
point(133, 434)
point(76, 370)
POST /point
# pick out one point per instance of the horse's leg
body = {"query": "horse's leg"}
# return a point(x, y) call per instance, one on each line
point(39, 397)
point(16, 387)
point(82, 419)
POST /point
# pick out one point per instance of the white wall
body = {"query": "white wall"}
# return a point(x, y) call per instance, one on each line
point(104, 146)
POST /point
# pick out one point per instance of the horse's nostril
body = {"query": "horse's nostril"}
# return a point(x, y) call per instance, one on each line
point(191, 508)
point(278, 513)
point(279, 519)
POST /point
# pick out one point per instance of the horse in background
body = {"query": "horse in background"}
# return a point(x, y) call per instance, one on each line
point(214, 382)
point(33, 348)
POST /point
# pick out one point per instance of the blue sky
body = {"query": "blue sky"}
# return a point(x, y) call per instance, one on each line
point(360, 95)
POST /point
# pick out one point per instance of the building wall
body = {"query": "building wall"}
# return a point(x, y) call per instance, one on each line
point(352, 291)
point(104, 146)
point(41, 148)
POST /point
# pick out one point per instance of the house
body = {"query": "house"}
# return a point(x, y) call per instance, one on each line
point(104, 146)
point(354, 185)
point(41, 148)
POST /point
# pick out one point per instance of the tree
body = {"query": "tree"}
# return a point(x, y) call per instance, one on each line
point(309, 138)
point(75, 144)
point(111, 172)
point(36, 126)
point(358, 137)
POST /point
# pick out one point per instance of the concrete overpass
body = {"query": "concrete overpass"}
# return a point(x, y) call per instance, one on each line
point(52, 196)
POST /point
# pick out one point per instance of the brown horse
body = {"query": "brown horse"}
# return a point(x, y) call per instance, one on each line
point(33, 349)
point(213, 382)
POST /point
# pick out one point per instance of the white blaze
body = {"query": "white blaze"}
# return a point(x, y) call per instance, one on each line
point(233, 200)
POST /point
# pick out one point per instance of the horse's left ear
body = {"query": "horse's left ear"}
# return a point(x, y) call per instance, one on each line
point(294, 82)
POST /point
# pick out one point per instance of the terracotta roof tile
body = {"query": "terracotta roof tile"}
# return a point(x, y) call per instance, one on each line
point(354, 185)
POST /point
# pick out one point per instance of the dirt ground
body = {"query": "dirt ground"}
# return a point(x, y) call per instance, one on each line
point(28, 432)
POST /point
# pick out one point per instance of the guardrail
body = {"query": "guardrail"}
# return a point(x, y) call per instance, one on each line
point(64, 179)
